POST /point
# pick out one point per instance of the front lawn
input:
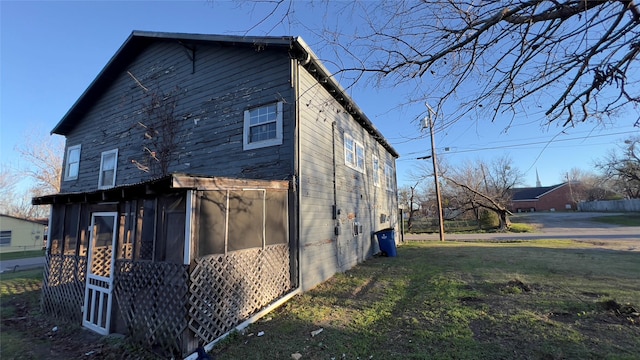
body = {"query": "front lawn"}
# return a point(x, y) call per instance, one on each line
point(627, 219)
point(525, 300)
point(537, 299)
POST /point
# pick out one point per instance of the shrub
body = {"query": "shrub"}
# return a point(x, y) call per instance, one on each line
point(489, 219)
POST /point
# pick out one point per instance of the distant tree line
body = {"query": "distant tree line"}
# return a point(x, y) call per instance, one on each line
point(478, 189)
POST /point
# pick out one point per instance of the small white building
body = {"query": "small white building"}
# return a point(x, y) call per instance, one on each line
point(18, 234)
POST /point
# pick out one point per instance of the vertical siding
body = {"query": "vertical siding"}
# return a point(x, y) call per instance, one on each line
point(208, 113)
point(323, 123)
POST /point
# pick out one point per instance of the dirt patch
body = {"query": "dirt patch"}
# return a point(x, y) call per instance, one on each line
point(626, 313)
point(35, 336)
point(516, 286)
point(483, 330)
point(607, 312)
point(562, 316)
point(593, 294)
point(470, 300)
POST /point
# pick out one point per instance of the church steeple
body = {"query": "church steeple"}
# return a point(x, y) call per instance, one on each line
point(538, 183)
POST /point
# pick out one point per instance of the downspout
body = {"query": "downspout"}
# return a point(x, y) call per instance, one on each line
point(307, 60)
point(336, 212)
point(333, 165)
point(297, 183)
point(189, 221)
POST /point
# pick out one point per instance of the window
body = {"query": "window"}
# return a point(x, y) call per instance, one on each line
point(376, 171)
point(5, 238)
point(349, 153)
point(108, 166)
point(73, 163)
point(360, 157)
point(353, 153)
point(388, 176)
point(262, 126)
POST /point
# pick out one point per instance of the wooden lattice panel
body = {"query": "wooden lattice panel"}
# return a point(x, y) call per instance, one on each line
point(126, 251)
point(101, 261)
point(63, 289)
point(146, 250)
point(152, 298)
point(274, 275)
point(227, 289)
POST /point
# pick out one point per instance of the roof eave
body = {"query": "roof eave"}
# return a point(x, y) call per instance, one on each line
point(63, 126)
point(343, 97)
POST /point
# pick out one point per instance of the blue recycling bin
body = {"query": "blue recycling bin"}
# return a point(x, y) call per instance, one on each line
point(387, 241)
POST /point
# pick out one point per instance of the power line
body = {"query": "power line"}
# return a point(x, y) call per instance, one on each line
point(546, 142)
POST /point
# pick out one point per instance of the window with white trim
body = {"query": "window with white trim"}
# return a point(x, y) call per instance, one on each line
point(108, 167)
point(5, 238)
point(376, 171)
point(262, 126)
point(353, 153)
point(388, 176)
point(72, 166)
point(360, 157)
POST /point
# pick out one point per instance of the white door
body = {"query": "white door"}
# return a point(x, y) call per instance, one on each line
point(98, 292)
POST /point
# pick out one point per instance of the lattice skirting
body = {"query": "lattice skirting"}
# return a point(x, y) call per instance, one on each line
point(63, 289)
point(152, 297)
point(166, 306)
point(227, 289)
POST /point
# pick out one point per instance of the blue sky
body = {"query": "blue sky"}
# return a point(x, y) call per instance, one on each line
point(51, 51)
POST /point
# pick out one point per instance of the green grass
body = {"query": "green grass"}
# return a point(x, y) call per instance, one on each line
point(21, 254)
point(518, 300)
point(19, 291)
point(535, 299)
point(17, 283)
point(521, 228)
point(430, 225)
point(627, 219)
point(19, 298)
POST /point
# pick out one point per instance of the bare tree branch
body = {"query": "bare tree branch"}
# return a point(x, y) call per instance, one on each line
point(485, 185)
point(565, 61)
point(624, 167)
point(43, 162)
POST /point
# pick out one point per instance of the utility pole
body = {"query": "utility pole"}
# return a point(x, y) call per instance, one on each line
point(429, 121)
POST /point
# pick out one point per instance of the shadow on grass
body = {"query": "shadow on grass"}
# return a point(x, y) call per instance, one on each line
point(442, 301)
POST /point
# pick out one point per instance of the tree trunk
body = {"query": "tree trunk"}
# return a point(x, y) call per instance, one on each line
point(476, 212)
point(410, 221)
point(504, 219)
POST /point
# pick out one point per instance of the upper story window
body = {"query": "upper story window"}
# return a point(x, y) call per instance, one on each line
point(108, 166)
point(72, 166)
point(353, 153)
point(376, 171)
point(262, 126)
point(388, 176)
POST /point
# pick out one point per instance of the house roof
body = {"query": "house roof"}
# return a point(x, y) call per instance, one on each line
point(139, 40)
point(533, 193)
point(44, 222)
